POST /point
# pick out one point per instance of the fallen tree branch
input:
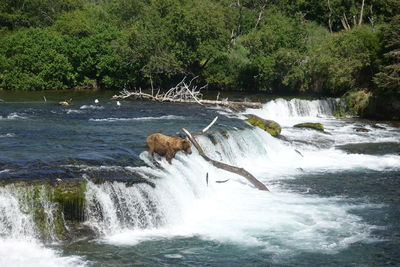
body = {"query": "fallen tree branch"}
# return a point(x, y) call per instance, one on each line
point(183, 93)
point(209, 126)
point(224, 166)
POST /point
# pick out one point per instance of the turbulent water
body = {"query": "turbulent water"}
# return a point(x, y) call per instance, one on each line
point(334, 196)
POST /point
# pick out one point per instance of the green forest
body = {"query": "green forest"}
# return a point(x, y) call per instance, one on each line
point(347, 48)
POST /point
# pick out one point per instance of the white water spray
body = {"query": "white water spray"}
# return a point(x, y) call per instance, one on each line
point(235, 212)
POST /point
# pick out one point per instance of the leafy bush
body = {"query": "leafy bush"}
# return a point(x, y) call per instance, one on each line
point(36, 59)
point(344, 61)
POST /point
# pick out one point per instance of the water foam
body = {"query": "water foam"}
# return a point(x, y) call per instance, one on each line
point(94, 107)
point(14, 116)
point(166, 117)
point(74, 111)
point(231, 212)
point(9, 135)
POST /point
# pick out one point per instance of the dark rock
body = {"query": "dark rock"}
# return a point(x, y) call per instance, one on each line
point(224, 133)
point(376, 126)
point(361, 129)
point(212, 139)
point(311, 125)
point(371, 148)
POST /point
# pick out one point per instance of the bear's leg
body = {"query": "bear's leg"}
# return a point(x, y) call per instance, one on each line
point(151, 151)
point(170, 155)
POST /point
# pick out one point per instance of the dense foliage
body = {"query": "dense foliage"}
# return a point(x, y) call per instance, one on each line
point(386, 97)
point(285, 47)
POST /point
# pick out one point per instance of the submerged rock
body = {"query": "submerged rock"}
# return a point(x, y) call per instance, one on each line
point(224, 133)
point(311, 125)
point(272, 127)
point(361, 130)
point(371, 148)
point(212, 139)
point(376, 126)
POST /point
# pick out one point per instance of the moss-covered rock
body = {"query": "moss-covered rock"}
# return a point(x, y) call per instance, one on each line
point(71, 198)
point(311, 125)
point(272, 127)
point(353, 103)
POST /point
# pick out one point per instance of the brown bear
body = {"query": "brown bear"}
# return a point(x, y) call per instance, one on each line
point(167, 146)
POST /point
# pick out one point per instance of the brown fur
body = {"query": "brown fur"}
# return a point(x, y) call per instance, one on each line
point(167, 146)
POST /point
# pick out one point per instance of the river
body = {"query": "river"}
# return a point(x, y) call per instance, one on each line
point(334, 196)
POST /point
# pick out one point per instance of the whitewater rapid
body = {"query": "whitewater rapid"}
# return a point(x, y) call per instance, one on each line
point(281, 222)
point(184, 204)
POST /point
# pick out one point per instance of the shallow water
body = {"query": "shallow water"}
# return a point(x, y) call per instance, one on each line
point(328, 205)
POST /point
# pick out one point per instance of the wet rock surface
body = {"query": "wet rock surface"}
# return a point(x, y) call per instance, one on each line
point(272, 127)
point(310, 125)
point(371, 148)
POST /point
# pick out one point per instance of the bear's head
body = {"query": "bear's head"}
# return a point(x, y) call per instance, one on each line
point(187, 146)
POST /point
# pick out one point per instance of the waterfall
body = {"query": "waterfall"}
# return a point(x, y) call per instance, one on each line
point(282, 110)
point(301, 108)
point(184, 204)
point(14, 223)
point(19, 233)
point(111, 207)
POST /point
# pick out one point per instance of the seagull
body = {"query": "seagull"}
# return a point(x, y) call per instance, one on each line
point(96, 101)
point(118, 103)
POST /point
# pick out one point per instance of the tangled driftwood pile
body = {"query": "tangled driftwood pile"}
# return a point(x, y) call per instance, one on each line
point(183, 92)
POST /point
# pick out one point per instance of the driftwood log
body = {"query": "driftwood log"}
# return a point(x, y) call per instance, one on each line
point(240, 171)
point(183, 93)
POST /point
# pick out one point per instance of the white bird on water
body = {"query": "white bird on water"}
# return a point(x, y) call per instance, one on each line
point(118, 103)
point(96, 101)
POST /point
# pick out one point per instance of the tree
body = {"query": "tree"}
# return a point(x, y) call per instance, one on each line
point(276, 50)
point(344, 61)
point(388, 80)
point(34, 13)
point(36, 59)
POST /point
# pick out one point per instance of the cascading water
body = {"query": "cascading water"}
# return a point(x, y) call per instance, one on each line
point(19, 242)
point(112, 207)
point(13, 222)
point(286, 111)
point(183, 204)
